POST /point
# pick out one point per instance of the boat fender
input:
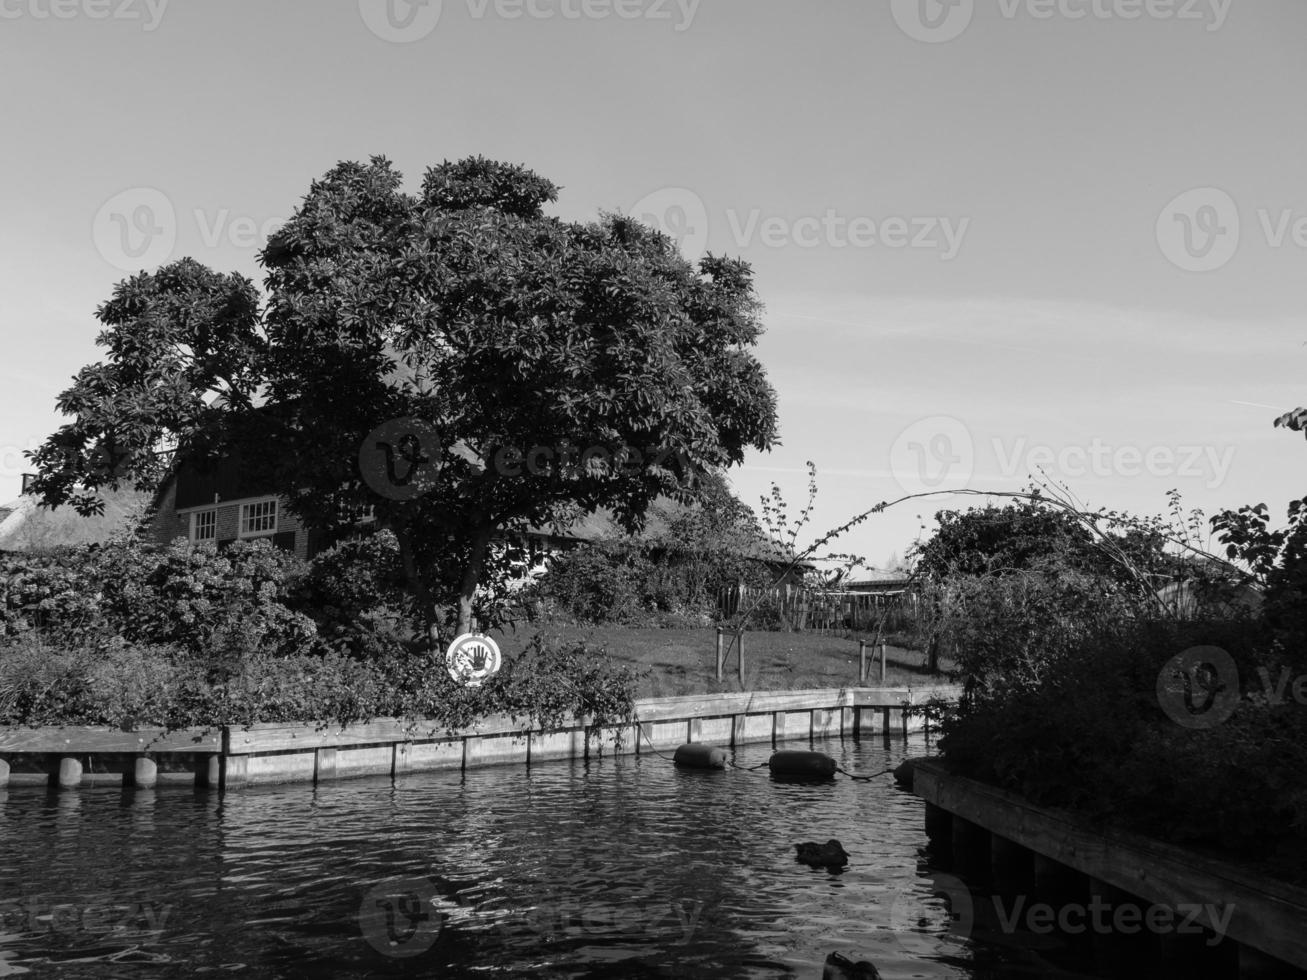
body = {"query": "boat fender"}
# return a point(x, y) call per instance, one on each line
point(813, 765)
point(700, 755)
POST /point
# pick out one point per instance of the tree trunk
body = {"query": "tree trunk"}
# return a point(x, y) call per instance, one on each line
point(422, 593)
point(476, 562)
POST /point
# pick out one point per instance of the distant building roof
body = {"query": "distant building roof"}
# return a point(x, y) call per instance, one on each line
point(25, 526)
point(663, 512)
point(875, 578)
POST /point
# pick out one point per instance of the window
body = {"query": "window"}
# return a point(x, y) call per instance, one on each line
point(259, 518)
point(204, 525)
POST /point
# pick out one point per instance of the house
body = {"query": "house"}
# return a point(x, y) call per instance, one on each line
point(220, 503)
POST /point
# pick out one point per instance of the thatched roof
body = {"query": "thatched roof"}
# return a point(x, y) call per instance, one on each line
point(25, 526)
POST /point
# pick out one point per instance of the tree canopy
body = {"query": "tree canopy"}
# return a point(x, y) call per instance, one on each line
point(560, 365)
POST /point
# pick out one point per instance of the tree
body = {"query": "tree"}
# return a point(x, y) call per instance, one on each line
point(464, 307)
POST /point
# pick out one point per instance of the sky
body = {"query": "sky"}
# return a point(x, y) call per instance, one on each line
point(993, 238)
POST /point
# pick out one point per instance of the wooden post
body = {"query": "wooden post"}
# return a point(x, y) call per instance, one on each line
point(70, 772)
point(719, 654)
point(208, 771)
point(4, 774)
point(145, 773)
point(862, 661)
point(1011, 866)
point(939, 828)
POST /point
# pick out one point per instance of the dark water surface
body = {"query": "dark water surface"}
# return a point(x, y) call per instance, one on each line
point(621, 867)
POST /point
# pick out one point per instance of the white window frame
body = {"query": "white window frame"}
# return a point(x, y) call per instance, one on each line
point(245, 517)
point(199, 524)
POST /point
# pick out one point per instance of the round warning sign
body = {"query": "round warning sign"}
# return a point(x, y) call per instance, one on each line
point(471, 658)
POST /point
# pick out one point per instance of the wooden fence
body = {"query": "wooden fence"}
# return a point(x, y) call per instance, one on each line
point(822, 611)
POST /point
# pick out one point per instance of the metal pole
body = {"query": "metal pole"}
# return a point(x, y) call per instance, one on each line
point(882, 665)
point(740, 637)
point(719, 653)
point(862, 661)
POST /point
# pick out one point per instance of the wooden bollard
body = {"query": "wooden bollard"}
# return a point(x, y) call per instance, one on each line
point(70, 772)
point(1011, 867)
point(145, 772)
point(1055, 884)
point(971, 852)
point(939, 828)
point(1123, 945)
point(208, 772)
point(1201, 955)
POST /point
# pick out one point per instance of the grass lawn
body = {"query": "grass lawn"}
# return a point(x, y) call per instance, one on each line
point(681, 661)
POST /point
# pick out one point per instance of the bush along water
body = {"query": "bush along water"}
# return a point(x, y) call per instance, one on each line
point(130, 636)
point(1065, 669)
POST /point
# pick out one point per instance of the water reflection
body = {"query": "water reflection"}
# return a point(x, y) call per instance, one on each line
point(621, 867)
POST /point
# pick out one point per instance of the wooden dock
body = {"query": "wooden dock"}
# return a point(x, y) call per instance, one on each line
point(233, 757)
point(993, 837)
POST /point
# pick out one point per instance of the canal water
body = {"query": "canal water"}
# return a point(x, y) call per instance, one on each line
point(620, 867)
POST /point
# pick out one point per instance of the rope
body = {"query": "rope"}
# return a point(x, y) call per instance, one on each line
point(872, 776)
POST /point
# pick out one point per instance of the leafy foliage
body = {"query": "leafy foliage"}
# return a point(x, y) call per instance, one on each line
point(463, 305)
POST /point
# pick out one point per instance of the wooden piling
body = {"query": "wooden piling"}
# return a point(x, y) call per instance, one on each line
point(971, 851)
point(939, 829)
point(1011, 867)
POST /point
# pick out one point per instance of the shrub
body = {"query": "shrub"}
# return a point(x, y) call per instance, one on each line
point(355, 594)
